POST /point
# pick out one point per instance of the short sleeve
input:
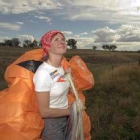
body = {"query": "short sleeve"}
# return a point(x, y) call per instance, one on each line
point(42, 81)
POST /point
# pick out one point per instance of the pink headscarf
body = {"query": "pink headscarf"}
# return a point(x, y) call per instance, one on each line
point(46, 40)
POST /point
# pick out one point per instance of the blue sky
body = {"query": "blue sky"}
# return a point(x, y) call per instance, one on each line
point(90, 22)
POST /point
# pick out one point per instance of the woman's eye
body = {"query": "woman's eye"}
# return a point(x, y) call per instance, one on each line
point(56, 39)
point(63, 39)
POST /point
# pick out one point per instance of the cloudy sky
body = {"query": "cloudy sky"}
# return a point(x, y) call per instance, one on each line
point(90, 22)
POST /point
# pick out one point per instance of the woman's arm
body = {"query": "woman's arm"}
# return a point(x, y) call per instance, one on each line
point(46, 112)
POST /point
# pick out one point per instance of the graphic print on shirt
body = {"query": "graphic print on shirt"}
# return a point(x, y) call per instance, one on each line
point(56, 74)
point(61, 78)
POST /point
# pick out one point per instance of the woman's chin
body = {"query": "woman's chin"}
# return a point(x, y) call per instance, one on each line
point(63, 51)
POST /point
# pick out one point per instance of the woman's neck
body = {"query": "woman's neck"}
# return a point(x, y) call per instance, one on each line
point(54, 61)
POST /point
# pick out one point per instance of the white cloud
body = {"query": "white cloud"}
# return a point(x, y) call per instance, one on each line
point(77, 36)
point(104, 35)
point(131, 46)
point(24, 6)
point(33, 21)
point(108, 4)
point(47, 19)
point(80, 35)
point(82, 42)
point(126, 37)
point(22, 38)
point(3, 38)
point(67, 32)
point(21, 23)
point(84, 33)
point(126, 33)
point(10, 26)
point(129, 33)
point(40, 12)
point(112, 11)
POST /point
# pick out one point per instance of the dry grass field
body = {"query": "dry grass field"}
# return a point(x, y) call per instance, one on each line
point(114, 103)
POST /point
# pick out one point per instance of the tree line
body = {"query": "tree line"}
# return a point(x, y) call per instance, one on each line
point(111, 47)
point(15, 42)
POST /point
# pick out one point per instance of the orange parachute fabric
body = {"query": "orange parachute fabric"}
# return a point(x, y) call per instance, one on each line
point(19, 114)
point(83, 80)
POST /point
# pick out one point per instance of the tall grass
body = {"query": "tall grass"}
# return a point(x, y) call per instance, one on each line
point(115, 105)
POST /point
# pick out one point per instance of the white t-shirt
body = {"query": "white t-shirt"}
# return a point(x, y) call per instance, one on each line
point(49, 78)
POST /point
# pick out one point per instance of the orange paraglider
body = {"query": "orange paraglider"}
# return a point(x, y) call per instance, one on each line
point(19, 113)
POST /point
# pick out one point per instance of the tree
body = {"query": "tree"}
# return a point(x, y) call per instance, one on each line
point(40, 45)
point(15, 42)
point(8, 43)
point(33, 44)
point(105, 47)
point(110, 48)
point(113, 47)
point(2, 44)
point(94, 48)
point(27, 43)
point(72, 43)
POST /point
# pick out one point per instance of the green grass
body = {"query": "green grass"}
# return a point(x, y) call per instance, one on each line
point(114, 103)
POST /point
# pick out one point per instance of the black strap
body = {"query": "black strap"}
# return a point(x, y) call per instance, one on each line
point(31, 65)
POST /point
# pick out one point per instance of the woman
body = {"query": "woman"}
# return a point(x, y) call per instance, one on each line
point(19, 113)
point(52, 86)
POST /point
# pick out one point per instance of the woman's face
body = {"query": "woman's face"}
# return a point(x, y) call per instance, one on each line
point(58, 45)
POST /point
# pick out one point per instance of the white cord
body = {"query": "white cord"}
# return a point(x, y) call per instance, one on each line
point(76, 115)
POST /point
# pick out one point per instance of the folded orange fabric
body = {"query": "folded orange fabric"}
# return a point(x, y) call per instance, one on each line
point(19, 114)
